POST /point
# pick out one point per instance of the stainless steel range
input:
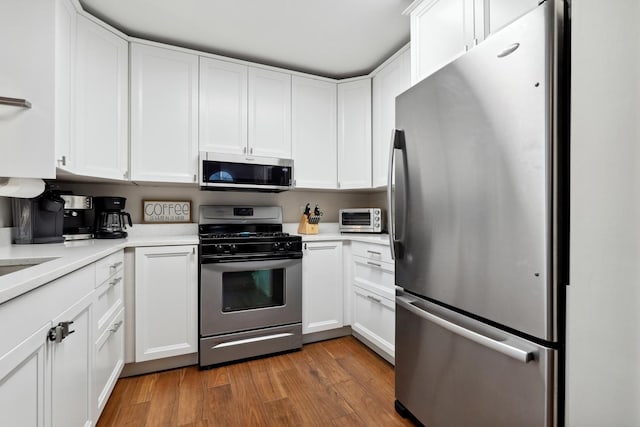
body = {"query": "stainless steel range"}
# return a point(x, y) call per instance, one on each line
point(250, 284)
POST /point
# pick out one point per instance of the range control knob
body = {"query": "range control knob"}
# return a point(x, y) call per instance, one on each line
point(275, 246)
point(287, 246)
point(218, 249)
point(233, 249)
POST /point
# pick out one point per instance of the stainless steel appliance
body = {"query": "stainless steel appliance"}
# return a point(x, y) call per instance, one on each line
point(111, 221)
point(479, 228)
point(78, 217)
point(251, 173)
point(361, 220)
point(250, 284)
point(39, 219)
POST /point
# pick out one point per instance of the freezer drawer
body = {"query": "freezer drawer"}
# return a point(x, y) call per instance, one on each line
point(454, 371)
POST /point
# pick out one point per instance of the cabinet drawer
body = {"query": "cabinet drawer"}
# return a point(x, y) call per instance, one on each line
point(108, 299)
point(372, 251)
point(374, 318)
point(108, 266)
point(376, 276)
point(109, 360)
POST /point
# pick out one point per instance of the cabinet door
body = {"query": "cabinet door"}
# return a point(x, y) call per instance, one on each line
point(269, 113)
point(223, 106)
point(492, 15)
point(373, 317)
point(388, 83)
point(71, 365)
point(66, 22)
point(441, 30)
point(314, 133)
point(109, 360)
point(164, 115)
point(322, 284)
point(27, 43)
point(166, 302)
point(354, 134)
point(22, 379)
point(101, 142)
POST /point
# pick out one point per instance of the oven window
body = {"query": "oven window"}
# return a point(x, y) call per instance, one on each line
point(247, 290)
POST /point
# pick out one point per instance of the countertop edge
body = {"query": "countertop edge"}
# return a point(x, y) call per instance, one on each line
point(34, 277)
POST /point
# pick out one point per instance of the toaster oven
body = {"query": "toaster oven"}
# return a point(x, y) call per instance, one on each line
point(361, 220)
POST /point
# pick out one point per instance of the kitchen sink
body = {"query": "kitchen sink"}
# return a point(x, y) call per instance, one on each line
point(11, 266)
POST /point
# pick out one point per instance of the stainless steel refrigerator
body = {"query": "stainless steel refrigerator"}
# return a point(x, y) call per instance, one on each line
point(479, 223)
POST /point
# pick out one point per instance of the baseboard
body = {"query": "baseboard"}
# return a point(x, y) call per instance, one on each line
point(326, 335)
point(386, 356)
point(140, 368)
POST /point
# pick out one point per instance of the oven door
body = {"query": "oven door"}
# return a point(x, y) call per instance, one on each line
point(244, 295)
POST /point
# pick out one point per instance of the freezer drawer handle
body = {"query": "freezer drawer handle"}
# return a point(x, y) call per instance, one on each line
point(501, 347)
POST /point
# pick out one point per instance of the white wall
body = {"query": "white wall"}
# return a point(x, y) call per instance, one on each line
point(603, 378)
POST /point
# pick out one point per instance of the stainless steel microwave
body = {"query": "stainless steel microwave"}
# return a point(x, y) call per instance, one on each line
point(361, 220)
point(251, 173)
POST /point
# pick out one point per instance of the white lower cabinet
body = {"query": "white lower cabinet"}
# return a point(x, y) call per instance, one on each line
point(53, 377)
point(373, 297)
point(166, 301)
point(322, 289)
point(109, 361)
point(71, 364)
point(22, 378)
point(373, 317)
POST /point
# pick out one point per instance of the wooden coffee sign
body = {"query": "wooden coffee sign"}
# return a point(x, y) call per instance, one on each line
point(166, 211)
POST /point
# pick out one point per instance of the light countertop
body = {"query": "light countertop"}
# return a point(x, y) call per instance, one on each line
point(67, 257)
point(64, 258)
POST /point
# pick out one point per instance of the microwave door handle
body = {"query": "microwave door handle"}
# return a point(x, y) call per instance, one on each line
point(397, 143)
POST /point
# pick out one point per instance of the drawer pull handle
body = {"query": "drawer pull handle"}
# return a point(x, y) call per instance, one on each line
point(116, 264)
point(372, 298)
point(15, 102)
point(115, 281)
point(374, 264)
point(116, 326)
point(374, 252)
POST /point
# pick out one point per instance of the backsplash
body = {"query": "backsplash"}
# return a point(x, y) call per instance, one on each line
point(292, 202)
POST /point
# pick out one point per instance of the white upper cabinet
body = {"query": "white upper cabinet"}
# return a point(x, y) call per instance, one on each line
point(164, 115)
point(314, 133)
point(442, 30)
point(269, 113)
point(27, 64)
point(389, 82)
point(101, 143)
point(223, 106)
point(495, 14)
point(354, 134)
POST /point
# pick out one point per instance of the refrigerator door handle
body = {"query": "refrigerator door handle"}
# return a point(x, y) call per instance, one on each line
point(503, 347)
point(397, 143)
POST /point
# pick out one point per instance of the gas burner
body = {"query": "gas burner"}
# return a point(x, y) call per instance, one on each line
point(243, 234)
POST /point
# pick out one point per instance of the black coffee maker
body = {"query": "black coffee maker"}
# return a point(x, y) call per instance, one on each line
point(110, 219)
point(38, 220)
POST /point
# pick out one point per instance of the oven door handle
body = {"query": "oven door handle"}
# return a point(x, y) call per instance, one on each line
point(250, 265)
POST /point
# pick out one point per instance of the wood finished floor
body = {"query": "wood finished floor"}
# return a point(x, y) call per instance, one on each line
point(331, 383)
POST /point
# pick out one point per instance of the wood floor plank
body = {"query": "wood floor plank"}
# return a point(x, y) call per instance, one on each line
point(190, 396)
point(164, 399)
point(338, 382)
point(282, 412)
point(215, 377)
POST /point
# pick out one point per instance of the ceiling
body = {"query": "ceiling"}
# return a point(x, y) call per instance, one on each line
point(332, 38)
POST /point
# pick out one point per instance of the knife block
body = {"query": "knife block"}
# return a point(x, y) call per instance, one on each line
point(305, 228)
